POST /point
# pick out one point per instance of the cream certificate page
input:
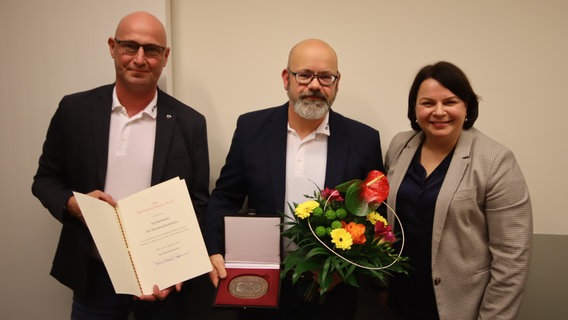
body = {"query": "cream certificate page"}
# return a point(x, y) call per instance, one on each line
point(154, 239)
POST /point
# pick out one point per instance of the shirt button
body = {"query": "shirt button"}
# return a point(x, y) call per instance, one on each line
point(437, 281)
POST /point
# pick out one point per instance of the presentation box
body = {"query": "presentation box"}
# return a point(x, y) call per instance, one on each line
point(252, 261)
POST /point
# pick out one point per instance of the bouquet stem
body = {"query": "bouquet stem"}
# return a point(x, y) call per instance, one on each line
point(313, 292)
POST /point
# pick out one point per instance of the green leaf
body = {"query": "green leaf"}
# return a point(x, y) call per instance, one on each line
point(317, 251)
point(345, 185)
point(325, 276)
point(354, 202)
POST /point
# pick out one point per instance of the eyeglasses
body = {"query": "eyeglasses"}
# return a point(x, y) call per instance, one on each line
point(325, 79)
point(132, 47)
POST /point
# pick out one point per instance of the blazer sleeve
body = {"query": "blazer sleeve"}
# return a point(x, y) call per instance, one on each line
point(228, 195)
point(70, 159)
point(508, 212)
point(48, 185)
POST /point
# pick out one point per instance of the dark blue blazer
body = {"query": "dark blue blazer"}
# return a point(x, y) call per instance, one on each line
point(75, 155)
point(255, 167)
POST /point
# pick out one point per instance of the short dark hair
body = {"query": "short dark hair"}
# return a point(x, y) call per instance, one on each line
point(455, 80)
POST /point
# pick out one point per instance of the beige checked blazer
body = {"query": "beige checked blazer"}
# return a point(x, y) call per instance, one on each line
point(482, 232)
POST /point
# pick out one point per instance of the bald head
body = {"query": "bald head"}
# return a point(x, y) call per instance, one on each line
point(141, 23)
point(318, 53)
point(309, 99)
point(140, 52)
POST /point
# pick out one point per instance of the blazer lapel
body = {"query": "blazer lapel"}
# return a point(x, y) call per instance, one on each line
point(337, 153)
point(165, 123)
point(101, 110)
point(397, 173)
point(276, 142)
point(460, 162)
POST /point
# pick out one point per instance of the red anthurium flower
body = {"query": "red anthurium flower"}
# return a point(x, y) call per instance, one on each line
point(362, 197)
point(332, 194)
point(375, 188)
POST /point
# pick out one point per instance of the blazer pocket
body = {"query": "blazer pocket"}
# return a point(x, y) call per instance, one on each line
point(465, 194)
point(465, 212)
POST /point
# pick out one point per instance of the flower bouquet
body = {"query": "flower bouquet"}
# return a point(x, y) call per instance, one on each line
point(339, 233)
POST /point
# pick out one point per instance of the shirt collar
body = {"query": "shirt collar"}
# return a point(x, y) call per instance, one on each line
point(150, 109)
point(323, 127)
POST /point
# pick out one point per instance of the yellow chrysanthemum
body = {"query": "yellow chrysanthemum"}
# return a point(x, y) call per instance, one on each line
point(303, 210)
point(374, 216)
point(341, 238)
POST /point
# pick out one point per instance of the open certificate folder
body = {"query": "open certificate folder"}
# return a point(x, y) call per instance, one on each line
point(151, 237)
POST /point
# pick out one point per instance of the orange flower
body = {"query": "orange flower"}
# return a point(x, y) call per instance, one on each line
point(356, 230)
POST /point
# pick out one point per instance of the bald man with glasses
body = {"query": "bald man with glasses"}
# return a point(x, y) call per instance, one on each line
point(110, 142)
point(278, 155)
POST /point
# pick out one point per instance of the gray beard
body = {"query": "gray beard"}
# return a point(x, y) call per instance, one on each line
point(311, 110)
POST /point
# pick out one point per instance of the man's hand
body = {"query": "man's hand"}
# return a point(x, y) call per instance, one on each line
point(218, 271)
point(73, 206)
point(158, 294)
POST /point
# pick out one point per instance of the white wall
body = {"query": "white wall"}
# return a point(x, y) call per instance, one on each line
point(229, 55)
point(48, 49)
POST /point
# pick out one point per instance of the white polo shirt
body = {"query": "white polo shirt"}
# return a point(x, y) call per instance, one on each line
point(306, 161)
point(130, 149)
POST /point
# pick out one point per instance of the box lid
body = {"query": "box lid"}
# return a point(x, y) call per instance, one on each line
point(252, 240)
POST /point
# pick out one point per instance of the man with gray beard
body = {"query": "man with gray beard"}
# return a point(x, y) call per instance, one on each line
point(278, 155)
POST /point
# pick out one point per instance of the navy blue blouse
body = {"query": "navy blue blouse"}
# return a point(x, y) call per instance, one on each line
point(412, 297)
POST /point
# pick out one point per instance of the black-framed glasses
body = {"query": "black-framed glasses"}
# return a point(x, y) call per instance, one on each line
point(131, 48)
point(324, 79)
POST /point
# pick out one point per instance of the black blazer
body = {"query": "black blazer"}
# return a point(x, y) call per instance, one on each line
point(75, 155)
point(255, 168)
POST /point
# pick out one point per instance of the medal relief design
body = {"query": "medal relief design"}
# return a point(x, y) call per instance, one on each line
point(248, 287)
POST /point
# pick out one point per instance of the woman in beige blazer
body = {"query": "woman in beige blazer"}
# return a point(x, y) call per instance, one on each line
point(464, 206)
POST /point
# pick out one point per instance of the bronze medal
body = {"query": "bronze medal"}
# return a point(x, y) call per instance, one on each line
point(248, 287)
